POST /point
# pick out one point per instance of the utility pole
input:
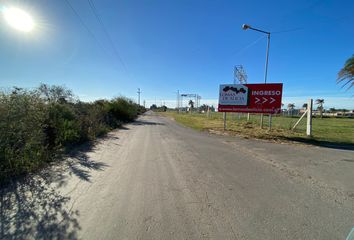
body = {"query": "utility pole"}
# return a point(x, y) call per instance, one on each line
point(177, 105)
point(139, 96)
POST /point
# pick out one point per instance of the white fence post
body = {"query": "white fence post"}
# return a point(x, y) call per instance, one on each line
point(309, 118)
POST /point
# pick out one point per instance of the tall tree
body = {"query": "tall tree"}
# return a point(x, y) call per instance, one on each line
point(191, 104)
point(291, 107)
point(56, 93)
point(346, 74)
point(153, 107)
point(332, 110)
point(203, 107)
point(320, 103)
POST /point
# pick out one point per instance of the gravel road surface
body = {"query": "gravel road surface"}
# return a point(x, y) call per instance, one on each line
point(155, 179)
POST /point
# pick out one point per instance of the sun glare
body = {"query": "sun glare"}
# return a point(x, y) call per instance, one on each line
point(18, 19)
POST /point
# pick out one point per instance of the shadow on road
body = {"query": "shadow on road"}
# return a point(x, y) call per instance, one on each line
point(348, 160)
point(123, 128)
point(141, 122)
point(33, 208)
point(320, 143)
point(80, 164)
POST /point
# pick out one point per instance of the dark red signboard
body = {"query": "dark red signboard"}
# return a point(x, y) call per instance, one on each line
point(251, 98)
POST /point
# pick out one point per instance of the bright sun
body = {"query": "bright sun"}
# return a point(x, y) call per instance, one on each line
point(18, 19)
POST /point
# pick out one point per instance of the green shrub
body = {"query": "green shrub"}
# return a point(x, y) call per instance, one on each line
point(34, 125)
point(62, 127)
point(91, 118)
point(123, 109)
point(22, 136)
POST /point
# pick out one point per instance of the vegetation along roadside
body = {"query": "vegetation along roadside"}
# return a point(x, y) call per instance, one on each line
point(329, 131)
point(35, 125)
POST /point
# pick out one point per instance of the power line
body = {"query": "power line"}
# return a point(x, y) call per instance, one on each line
point(83, 24)
point(248, 46)
point(258, 39)
point(288, 30)
point(99, 20)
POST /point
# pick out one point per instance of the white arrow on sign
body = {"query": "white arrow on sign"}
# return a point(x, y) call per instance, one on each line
point(271, 100)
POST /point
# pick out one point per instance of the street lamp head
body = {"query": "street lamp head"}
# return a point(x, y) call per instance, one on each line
point(245, 26)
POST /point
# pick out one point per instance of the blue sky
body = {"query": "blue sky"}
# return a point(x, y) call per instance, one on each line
point(191, 46)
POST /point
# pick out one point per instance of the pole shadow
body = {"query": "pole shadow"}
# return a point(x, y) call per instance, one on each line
point(322, 143)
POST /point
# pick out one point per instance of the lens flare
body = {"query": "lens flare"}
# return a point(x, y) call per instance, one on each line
point(18, 19)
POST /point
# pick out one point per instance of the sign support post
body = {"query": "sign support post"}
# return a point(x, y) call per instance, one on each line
point(262, 120)
point(224, 121)
point(270, 122)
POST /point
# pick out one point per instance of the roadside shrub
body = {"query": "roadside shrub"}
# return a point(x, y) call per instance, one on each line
point(108, 117)
point(123, 109)
point(22, 137)
point(91, 118)
point(34, 125)
point(141, 109)
point(62, 127)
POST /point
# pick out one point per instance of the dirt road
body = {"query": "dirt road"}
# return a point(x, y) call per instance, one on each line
point(155, 179)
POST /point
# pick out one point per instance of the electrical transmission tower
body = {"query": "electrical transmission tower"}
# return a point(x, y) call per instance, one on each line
point(240, 74)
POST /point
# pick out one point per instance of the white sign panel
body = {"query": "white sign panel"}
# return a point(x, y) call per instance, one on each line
point(233, 94)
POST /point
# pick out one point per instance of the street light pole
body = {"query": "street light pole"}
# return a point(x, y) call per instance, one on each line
point(245, 27)
point(266, 66)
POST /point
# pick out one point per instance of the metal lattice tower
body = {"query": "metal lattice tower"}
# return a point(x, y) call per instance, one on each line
point(240, 74)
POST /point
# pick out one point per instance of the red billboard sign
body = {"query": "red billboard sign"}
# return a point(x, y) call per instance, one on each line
point(250, 98)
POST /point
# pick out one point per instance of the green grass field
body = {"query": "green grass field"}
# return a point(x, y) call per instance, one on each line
point(325, 130)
